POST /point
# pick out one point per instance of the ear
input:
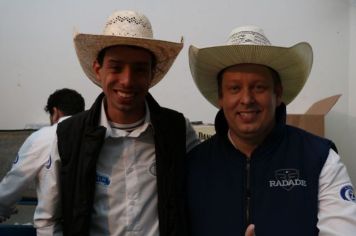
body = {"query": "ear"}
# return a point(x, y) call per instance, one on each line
point(152, 74)
point(96, 69)
point(278, 90)
point(57, 114)
point(220, 102)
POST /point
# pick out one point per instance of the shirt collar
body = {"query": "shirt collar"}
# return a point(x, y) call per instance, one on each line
point(63, 118)
point(117, 133)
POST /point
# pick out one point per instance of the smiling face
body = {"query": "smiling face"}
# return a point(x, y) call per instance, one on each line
point(249, 97)
point(125, 76)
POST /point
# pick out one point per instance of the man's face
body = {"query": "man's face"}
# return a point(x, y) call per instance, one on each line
point(249, 99)
point(125, 76)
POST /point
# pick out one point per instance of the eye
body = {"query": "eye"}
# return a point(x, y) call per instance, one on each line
point(116, 67)
point(234, 88)
point(141, 68)
point(259, 88)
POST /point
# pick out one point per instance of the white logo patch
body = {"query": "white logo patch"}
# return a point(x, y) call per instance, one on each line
point(16, 159)
point(347, 193)
point(102, 179)
point(287, 179)
point(49, 162)
point(152, 169)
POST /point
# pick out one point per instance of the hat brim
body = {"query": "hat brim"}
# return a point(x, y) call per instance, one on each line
point(88, 46)
point(293, 65)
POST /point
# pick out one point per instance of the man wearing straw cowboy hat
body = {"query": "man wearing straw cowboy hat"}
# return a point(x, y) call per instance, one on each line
point(121, 162)
point(257, 170)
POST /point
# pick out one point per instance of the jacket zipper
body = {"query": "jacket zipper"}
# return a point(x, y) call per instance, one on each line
point(248, 192)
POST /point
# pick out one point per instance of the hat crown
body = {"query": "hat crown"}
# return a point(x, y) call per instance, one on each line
point(128, 24)
point(248, 35)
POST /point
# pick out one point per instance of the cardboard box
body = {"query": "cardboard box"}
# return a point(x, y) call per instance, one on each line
point(313, 120)
point(204, 131)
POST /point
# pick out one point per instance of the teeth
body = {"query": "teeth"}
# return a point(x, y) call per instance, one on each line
point(247, 115)
point(125, 95)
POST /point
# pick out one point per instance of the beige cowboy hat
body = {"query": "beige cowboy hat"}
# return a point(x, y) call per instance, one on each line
point(126, 28)
point(248, 44)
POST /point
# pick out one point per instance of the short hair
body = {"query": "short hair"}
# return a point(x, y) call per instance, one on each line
point(68, 101)
point(275, 76)
point(101, 55)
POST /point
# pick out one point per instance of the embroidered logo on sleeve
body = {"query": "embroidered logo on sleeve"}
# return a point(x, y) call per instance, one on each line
point(49, 162)
point(102, 179)
point(16, 159)
point(152, 169)
point(347, 193)
point(287, 179)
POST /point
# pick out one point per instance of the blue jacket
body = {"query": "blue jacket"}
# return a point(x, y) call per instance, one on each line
point(276, 189)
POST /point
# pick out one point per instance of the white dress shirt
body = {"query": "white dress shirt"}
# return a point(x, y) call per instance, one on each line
point(33, 163)
point(125, 199)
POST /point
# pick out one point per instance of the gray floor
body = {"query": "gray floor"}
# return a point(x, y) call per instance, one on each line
point(10, 142)
point(24, 216)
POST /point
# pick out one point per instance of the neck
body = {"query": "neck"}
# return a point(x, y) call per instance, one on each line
point(125, 116)
point(244, 145)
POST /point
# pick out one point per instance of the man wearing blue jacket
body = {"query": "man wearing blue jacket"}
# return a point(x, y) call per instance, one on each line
point(257, 171)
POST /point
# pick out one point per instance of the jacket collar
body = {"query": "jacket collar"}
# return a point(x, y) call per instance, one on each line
point(94, 111)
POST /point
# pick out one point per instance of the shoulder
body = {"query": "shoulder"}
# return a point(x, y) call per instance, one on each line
point(72, 123)
point(156, 109)
point(170, 112)
point(74, 119)
point(38, 142)
point(300, 134)
point(206, 148)
point(167, 118)
point(313, 148)
point(42, 135)
point(205, 157)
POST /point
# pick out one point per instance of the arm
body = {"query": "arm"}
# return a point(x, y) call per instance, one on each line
point(29, 161)
point(47, 221)
point(337, 203)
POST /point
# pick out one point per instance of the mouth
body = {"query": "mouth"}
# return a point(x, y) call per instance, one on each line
point(125, 95)
point(248, 116)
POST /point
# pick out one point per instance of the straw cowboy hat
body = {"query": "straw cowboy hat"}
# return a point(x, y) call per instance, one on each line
point(248, 44)
point(126, 28)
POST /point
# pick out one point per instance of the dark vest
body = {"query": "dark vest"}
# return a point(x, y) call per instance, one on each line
point(276, 189)
point(80, 140)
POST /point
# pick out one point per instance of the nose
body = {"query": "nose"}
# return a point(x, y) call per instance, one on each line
point(126, 75)
point(247, 96)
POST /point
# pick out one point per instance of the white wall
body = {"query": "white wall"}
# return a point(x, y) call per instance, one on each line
point(347, 140)
point(37, 55)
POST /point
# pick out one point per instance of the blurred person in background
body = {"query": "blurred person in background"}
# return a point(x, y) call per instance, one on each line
point(33, 162)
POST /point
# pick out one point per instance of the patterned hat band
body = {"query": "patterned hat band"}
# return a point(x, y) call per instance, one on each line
point(248, 35)
point(128, 24)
